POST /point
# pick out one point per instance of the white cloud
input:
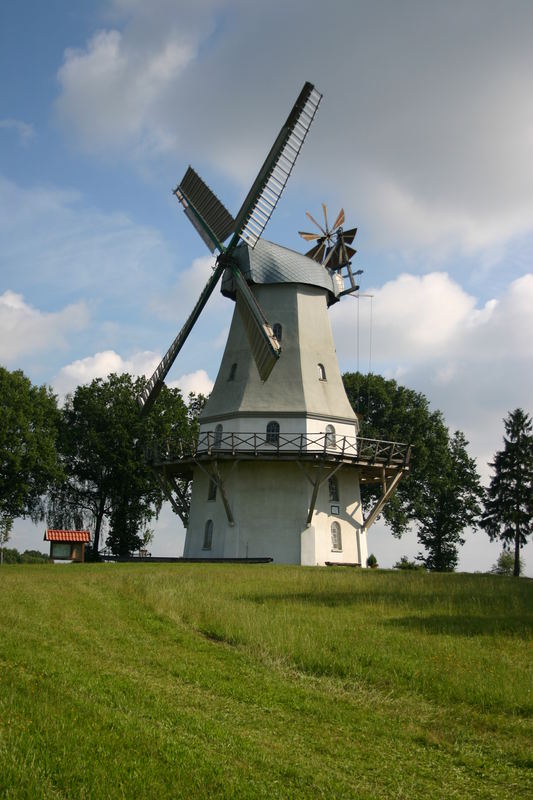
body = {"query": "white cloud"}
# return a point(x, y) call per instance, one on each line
point(111, 91)
point(430, 319)
point(198, 382)
point(26, 330)
point(24, 130)
point(100, 365)
point(473, 362)
point(425, 129)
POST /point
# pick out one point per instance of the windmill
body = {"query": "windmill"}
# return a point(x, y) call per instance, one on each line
point(333, 246)
point(215, 224)
point(276, 469)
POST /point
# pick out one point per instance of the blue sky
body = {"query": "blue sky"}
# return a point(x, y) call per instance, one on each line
point(424, 136)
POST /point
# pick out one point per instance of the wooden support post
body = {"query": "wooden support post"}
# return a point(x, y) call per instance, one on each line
point(220, 485)
point(387, 492)
point(217, 478)
point(179, 504)
point(316, 486)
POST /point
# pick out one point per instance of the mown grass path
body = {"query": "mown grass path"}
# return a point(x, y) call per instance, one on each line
point(196, 681)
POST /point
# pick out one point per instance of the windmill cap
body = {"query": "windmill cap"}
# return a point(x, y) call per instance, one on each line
point(271, 263)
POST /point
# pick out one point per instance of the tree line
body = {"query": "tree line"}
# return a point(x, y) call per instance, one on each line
point(83, 465)
point(443, 494)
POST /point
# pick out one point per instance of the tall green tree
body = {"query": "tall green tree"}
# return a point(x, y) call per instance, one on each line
point(102, 444)
point(442, 493)
point(6, 524)
point(28, 456)
point(449, 501)
point(508, 513)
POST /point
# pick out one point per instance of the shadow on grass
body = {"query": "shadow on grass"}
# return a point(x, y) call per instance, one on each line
point(467, 625)
point(348, 598)
point(462, 618)
point(460, 602)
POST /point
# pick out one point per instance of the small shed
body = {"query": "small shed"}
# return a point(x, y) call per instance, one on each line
point(67, 545)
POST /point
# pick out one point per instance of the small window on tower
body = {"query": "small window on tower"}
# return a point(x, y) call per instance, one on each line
point(212, 491)
point(333, 489)
point(208, 535)
point(278, 330)
point(233, 370)
point(272, 433)
point(336, 538)
point(321, 372)
point(218, 436)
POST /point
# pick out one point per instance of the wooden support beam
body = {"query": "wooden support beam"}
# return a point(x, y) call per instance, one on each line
point(220, 485)
point(183, 499)
point(179, 503)
point(215, 476)
point(316, 486)
point(387, 492)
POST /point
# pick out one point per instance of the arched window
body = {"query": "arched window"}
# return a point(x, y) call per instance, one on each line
point(336, 538)
point(212, 491)
point(233, 370)
point(272, 433)
point(321, 372)
point(208, 535)
point(333, 486)
point(218, 436)
point(278, 330)
point(331, 437)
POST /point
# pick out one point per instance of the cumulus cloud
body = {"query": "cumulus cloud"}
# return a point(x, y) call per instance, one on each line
point(100, 365)
point(198, 382)
point(24, 330)
point(425, 128)
point(115, 90)
point(473, 361)
point(430, 318)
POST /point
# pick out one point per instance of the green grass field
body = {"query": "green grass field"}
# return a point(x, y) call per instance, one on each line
point(196, 681)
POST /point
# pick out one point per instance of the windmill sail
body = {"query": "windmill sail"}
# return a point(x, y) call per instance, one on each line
point(148, 397)
point(266, 190)
point(263, 344)
point(215, 224)
point(209, 216)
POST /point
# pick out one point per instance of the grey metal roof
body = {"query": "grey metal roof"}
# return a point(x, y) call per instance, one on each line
point(271, 263)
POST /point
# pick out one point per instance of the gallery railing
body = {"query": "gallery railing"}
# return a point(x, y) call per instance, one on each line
point(213, 443)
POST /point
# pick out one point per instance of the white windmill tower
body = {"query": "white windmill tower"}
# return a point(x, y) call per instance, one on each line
point(277, 468)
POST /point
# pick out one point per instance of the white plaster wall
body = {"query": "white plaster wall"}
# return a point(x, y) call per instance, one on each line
point(350, 519)
point(313, 430)
point(270, 504)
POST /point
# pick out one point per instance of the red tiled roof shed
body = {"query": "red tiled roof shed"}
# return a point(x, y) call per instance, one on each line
point(67, 536)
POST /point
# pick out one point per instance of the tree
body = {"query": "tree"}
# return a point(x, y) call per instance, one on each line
point(102, 444)
point(28, 456)
point(12, 556)
point(449, 502)
point(442, 493)
point(6, 524)
point(505, 563)
point(508, 513)
point(405, 564)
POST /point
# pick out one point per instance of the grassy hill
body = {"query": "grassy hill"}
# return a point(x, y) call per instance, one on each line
point(197, 681)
